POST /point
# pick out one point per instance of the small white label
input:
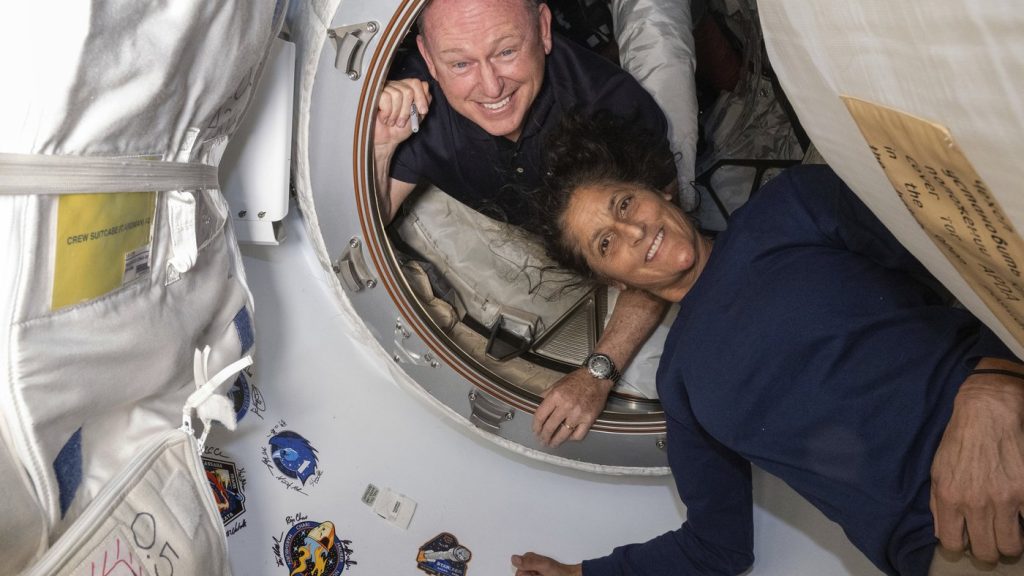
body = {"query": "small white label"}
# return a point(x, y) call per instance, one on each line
point(136, 264)
point(394, 507)
point(187, 143)
point(370, 495)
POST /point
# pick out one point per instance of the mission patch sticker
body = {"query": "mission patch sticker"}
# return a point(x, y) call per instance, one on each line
point(311, 548)
point(227, 482)
point(291, 458)
point(443, 556)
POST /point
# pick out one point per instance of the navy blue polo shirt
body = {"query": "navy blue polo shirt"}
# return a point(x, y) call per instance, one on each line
point(490, 173)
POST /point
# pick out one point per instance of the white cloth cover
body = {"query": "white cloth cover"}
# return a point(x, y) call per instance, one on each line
point(92, 374)
point(955, 63)
point(655, 40)
point(157, 516)
point(462, 243)
point(23, 528)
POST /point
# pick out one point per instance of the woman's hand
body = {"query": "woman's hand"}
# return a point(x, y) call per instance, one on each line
point(531, 564)
point(978, 471)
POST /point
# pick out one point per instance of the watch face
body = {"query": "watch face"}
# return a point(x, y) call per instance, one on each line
point(599, 366)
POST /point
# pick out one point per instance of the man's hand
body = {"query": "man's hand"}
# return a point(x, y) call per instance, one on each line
point(977, 491)
point(391, 128)
point(531, 564)
point(570, 408)
point(395, 107)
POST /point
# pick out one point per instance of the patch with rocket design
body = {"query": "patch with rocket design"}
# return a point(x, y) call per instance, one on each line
point(443, 556)
point(312, 548)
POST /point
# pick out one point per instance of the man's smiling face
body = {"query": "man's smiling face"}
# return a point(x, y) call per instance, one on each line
point(488, 58)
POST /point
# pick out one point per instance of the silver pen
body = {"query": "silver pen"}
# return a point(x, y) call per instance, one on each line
point(414, 118)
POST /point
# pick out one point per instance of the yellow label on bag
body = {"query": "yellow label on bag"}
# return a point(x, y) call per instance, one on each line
point(954, 206)
point(103, 243)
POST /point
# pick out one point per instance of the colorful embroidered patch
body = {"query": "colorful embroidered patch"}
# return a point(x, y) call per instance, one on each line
point(312, 549)
point(443, 556)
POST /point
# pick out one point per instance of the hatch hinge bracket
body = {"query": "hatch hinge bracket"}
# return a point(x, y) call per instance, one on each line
point(351, 268)
point(403, 354)
point(351, 42)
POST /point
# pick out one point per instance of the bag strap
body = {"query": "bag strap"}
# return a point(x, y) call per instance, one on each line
point(35, 174)
point(208, 404)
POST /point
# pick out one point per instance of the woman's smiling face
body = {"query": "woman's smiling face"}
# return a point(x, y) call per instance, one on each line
point(633, 236)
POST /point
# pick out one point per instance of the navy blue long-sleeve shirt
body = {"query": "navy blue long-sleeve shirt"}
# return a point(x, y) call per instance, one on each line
point(816, 347)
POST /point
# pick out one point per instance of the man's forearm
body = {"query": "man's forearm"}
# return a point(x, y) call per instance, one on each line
point(382, 155)
point(636, 315)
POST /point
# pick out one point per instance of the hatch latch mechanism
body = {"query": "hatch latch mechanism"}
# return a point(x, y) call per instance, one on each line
point(488, 412)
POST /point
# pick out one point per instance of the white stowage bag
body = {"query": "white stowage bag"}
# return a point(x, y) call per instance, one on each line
point(154, 518)
point(655, 39)
point(104, 298)
point(917, 106)
point(461, 242)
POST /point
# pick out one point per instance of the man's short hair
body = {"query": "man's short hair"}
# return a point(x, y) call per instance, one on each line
point(531, 4)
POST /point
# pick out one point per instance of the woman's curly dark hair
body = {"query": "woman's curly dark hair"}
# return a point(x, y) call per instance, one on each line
point(588, 149)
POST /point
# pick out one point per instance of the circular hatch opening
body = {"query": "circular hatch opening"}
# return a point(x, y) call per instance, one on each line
point(483, 323)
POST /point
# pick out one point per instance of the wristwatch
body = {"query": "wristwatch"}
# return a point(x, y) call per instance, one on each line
point(602, 367)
